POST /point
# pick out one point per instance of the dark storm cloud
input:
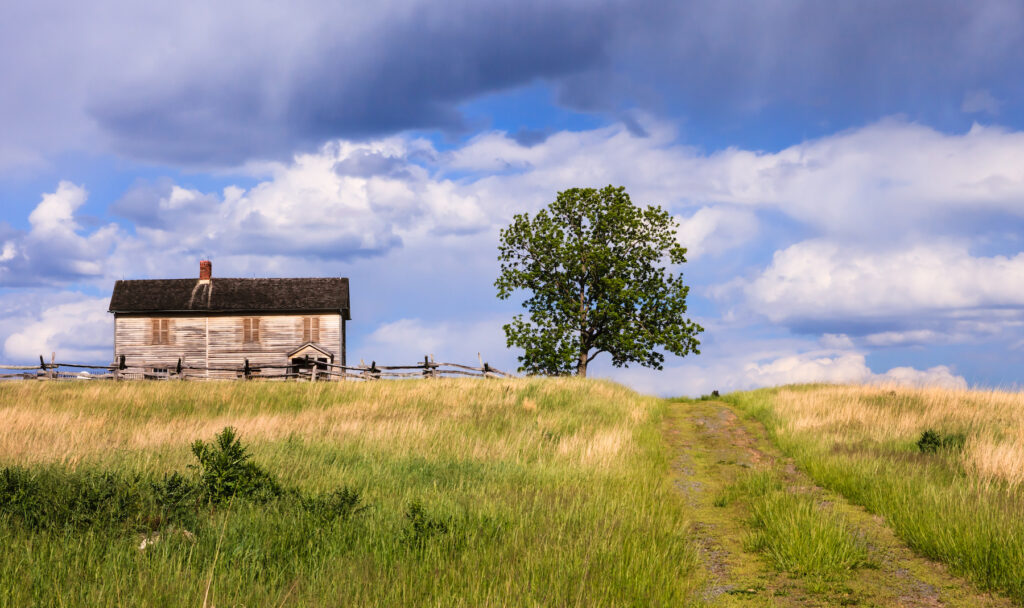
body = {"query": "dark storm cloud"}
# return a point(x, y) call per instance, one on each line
point(409, 71)
point(717, 57)
point(197, 84)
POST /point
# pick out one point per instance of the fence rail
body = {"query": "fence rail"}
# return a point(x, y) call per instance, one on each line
point(308, 370)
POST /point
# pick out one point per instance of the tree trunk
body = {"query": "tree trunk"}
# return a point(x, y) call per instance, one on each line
point(581, 367)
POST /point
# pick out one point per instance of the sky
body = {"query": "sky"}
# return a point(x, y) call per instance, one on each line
point(848, 177)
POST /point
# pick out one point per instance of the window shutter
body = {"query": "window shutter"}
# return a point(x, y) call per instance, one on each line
point(250, 330)
point(160, 331)
point(311, 329)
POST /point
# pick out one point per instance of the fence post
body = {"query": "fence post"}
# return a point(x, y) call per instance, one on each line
point(247, 371)
point(42, 366)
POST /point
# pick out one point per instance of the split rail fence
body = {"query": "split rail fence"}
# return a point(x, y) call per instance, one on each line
point(310, 370)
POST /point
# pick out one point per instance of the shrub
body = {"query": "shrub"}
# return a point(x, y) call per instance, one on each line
point(226, 472)
point(177, 499)
point(933, 441)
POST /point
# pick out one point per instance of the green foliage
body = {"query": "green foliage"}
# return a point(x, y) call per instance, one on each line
point(337, 505)
point(226, 471)
point(45, 499)
point(793, 531)
point(177, 498)
point(592, 264)
point(933, 441)
point(804, 538)
point(421, 526)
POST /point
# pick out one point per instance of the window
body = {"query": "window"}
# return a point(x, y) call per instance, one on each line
point(311, 329)
point(250, 330)
point(161, 331)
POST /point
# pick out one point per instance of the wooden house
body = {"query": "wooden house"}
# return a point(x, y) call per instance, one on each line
point(221, 323)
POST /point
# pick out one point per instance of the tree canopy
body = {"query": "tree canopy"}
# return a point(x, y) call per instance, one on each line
point(593, 264)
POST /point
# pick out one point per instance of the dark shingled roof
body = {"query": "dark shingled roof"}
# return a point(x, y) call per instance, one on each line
point(231, 295)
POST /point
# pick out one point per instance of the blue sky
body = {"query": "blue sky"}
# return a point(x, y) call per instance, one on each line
point(848, 178)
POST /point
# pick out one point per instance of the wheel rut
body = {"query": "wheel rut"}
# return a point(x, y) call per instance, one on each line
point(712, 447)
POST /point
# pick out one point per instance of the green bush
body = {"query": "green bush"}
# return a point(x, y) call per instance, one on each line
point(226, 471)
point(933, 441)
point(177, 499)
point(43, 499)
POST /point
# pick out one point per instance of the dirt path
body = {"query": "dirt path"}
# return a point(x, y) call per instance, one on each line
point(712, 448)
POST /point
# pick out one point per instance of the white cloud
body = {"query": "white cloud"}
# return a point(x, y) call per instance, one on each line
point(737, 371)
point(712, 230)
point(940, 376)
point(820, 279)
point(55, 212)
point(53, 250)
point(77, 331)
point(846, 368)
point(352, 199)
point(411, 222)
point(408, 340)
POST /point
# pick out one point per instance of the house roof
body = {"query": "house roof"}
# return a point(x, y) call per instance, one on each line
point(231, 296)
point(311, 346)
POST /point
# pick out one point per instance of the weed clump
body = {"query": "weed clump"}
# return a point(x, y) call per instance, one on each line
point(337, 505)
point(933, 441)
point(421, 526)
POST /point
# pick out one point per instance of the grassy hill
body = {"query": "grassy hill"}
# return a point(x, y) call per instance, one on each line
point(944, 468)
point(520, 492)
point(471, 493)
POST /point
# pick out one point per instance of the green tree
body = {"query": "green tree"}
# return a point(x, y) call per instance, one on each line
point(593, 264)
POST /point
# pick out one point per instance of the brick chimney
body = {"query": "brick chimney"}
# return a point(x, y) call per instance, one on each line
point(205, 270)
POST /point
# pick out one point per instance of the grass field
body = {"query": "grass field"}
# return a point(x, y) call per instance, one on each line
point(527, 492)
point(470, 493)
point(958, 499)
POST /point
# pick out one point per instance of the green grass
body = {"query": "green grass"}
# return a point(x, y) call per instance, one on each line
point(794, 532)
point(935, 505)
point(472, 493)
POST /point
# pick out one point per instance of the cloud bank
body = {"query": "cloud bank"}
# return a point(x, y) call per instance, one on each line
point(836, 239)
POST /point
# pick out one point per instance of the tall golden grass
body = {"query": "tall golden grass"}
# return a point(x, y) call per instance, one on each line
point(73, 423)
point(993, 421)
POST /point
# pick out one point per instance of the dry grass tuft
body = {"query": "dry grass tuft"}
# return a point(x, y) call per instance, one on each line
point(993, 421)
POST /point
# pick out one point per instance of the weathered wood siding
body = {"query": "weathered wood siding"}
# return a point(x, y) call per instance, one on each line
point(217, 341)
